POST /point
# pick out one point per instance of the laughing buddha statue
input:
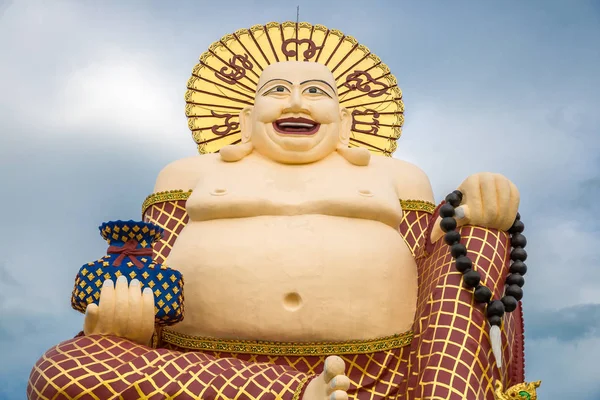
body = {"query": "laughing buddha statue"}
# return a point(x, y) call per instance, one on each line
point(315, 265)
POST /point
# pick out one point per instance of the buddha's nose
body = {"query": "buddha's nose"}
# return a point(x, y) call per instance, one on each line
point(296, 103)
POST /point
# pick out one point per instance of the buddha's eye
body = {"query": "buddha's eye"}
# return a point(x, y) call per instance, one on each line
point(314, 90)
point(278, 89)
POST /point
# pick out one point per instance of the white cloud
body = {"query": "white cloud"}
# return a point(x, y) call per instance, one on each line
point(120, 92)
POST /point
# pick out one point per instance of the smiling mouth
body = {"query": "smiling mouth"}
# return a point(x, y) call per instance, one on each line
point(296, 126)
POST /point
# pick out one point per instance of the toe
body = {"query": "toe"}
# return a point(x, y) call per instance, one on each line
point(340, 382)
point(334, 366)
point(339, 395)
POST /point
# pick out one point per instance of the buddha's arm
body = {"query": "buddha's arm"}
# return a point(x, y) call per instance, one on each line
point(416, 198)
point(447, 316)
point(166, 205)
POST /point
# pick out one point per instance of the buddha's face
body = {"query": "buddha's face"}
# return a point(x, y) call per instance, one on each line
point(296, 117)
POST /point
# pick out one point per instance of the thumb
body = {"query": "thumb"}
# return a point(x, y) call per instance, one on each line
point(91, 319)
point(462, 215)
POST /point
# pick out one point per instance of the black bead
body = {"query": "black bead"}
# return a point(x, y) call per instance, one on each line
point(518, 240)
point(495, 320)
point(452, 237)
point(517, 227)
point(458, 250)
point(453, 199)
point(471, 278)
point(518, 217)
point(515, 279)
point(518, 267)
point(518, 254)
point(459, 194)
point(496, 307)
point(482, 294)
point(514, 291)
point(448, 224)
point(510, 303)
point(463, 263)
point(447, 210)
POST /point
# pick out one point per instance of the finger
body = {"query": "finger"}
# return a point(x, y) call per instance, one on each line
point(147, 324)
point(489, 199)
point(121, 306)
point(135, 308)
point(504, 202)
point(106, 308)
point(91, 319)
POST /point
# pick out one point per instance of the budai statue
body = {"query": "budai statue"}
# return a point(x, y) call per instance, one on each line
point(315, 265)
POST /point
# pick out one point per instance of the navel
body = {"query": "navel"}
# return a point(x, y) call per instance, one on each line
point(292, 301)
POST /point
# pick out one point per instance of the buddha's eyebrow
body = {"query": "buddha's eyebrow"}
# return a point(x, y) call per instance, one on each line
point(319, 80)
point(271, 80)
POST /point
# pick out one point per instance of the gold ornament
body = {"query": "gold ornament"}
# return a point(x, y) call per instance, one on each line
point(520, 391)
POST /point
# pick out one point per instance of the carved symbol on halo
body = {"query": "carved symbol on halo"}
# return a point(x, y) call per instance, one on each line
point(307, 54)
point(374, 125)
point(238, 71)
point(228, 124)
point(363, 85)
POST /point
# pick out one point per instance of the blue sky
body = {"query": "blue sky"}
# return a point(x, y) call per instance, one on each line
point(91, 108)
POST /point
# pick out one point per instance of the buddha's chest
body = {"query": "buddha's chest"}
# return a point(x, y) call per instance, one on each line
point(238, 191)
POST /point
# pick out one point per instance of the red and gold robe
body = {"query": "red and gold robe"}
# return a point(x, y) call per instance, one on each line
point(447, 355)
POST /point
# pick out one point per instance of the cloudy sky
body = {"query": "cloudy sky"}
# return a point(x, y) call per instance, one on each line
point(91, 108)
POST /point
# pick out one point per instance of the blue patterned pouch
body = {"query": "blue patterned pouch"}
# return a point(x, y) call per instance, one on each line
point(130, 255)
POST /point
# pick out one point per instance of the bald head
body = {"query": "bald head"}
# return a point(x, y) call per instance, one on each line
point(297, 73)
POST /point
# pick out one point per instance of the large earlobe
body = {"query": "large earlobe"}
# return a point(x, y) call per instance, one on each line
point(345, 126)
point(246, 124)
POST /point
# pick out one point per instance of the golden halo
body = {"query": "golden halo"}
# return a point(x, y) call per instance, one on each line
point(224, 82)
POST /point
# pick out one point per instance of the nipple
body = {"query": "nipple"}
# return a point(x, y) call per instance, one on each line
point(355, 155)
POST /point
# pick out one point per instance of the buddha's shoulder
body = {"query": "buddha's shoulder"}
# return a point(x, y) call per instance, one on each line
point(412, 183)
point(400, 168)
point(185, 173)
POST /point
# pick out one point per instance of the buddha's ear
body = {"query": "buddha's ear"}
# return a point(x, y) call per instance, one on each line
point(246, 124)
point(345, 126)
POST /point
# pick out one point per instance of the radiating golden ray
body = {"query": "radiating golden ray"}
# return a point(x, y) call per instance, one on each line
point(224, 82)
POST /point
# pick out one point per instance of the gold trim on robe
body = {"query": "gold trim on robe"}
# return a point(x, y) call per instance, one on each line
point(170, 195)
point(286, 348)
point(417, 205)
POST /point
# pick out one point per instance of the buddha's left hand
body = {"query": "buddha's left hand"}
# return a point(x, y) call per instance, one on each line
point(124, 310)
point(489, 200)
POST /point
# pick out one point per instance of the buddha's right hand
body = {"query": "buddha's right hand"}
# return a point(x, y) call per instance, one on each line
point(124, 311)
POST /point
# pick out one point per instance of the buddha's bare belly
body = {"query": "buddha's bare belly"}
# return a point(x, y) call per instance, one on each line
point(295, 278)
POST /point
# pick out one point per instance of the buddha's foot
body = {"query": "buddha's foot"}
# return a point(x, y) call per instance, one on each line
point(332, 384)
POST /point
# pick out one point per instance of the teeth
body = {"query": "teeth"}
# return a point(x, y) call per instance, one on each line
point(296, 125)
